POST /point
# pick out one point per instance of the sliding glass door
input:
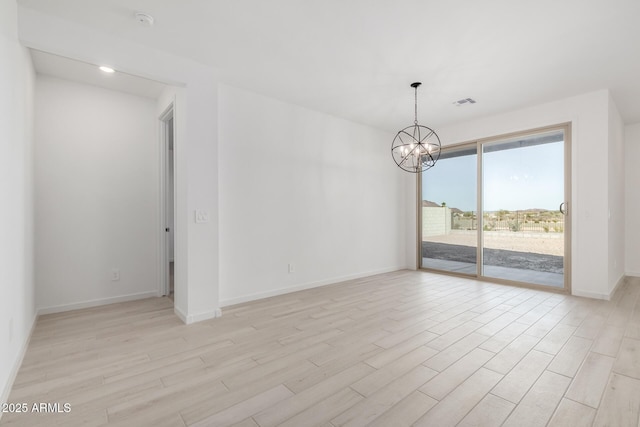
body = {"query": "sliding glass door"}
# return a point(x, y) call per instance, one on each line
point(520, 185)
point(523, 225)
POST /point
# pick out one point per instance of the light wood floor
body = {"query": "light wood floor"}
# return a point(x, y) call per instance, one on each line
point(406, 348)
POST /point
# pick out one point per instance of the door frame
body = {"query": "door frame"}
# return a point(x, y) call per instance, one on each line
point(163, 239)
point(568, 141)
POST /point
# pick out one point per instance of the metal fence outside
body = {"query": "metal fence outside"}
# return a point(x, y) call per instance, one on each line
point(555, 225)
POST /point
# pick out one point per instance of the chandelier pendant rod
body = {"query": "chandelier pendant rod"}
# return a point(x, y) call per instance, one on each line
point(415, 121)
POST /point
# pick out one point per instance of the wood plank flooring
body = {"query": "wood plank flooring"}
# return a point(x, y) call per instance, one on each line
point(404, 348)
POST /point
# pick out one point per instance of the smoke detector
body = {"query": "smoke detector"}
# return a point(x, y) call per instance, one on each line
point(144, 19)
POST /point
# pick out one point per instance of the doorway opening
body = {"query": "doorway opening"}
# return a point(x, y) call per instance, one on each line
point(167, 203)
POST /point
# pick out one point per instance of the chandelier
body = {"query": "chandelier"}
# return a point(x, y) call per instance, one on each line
point(416, 148)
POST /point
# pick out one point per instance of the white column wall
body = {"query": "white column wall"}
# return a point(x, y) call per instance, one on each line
point(17, 308)
point(632, 199)
point(616, 198)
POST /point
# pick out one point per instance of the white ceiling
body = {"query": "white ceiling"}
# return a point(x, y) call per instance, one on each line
point(70, 69)
point(356, 58)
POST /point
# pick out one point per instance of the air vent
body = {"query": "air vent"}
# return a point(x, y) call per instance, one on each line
point(464, 101)
point(144, 19)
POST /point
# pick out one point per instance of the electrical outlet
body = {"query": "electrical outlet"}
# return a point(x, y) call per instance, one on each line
point(115, 274)
point(292, 268)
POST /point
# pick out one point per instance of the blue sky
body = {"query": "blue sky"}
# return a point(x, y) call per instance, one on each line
point(515, 179)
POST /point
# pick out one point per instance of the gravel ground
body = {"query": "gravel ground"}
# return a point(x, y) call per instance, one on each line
point(497, 257)
point(538, 243)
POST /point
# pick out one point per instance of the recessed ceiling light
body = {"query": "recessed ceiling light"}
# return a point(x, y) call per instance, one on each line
point(107, 69)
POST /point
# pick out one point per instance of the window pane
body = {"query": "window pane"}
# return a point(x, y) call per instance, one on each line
point(449, 221)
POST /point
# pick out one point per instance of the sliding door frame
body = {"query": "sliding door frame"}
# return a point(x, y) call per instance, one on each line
point(479, 144)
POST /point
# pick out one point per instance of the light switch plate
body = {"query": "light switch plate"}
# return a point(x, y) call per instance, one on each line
point(202, 216)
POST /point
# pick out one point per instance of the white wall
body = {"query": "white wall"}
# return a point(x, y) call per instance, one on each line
point(589, 116)
point(632, 199)
point(96, 179)
point(196, 274)
point(616, 192)
point(412, 201)
point(17, 311)
point(301, 187)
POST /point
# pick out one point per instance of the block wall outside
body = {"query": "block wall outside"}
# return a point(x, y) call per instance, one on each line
point(436, 221)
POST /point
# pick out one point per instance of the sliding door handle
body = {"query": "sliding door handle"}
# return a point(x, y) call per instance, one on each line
point(562, 209)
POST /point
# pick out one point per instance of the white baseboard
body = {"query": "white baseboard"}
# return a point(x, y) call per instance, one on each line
point(282, 291)
point(618, 283)
point(598, 295)
point(96, 302)
point(199, 317)
point(4, 398)
point(180, 314)
point(193, 318)
point(587, 294)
